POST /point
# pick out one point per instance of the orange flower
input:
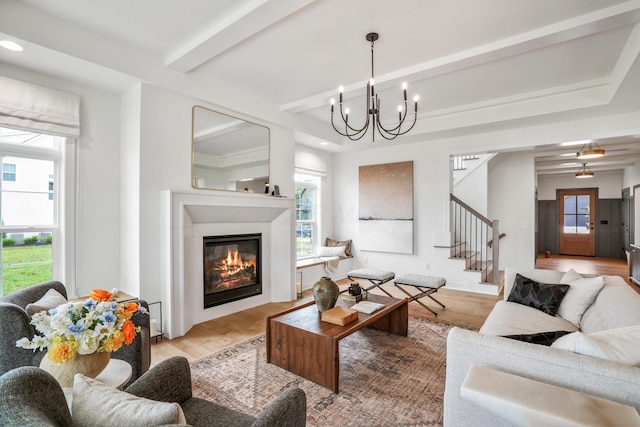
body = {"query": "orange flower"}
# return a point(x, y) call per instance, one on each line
point(129, 310)
point(101, 295)
point(62, 351)
point(129, 331)
point(114, 342)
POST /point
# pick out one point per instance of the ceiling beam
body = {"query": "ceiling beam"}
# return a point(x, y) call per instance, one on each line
point(560, 32)
point(244, 23)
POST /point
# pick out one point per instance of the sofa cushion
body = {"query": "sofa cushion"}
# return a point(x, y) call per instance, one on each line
point(345, 243)
point(541, 338)
point(510, 318)
point(616, 305)
point(539, 275)
point(542, 296)
point(331, 251)
point(50, 300)
point(619, 345)
point(96, 404)
point(570, 276)
point(579, 297)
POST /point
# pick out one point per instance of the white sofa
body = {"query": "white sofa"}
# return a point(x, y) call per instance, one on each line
point(615, 306)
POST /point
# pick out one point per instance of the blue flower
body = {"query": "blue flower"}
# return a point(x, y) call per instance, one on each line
point(108, 317)
point(77, 327)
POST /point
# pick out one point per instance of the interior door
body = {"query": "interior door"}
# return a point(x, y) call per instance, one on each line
point(577, 216)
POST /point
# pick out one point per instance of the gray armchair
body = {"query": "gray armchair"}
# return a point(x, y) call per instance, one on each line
point(170, 381)
point(15, 325)
point(31, 397)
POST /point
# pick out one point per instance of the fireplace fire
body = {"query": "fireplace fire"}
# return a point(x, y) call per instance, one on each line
point(232, 269)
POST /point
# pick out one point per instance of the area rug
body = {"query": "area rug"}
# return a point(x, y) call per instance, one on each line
point(385, 380)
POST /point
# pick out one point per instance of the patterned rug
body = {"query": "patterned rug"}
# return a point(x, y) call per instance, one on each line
point(385, 380)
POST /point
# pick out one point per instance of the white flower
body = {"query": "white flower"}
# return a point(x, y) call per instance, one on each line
point(88, 342)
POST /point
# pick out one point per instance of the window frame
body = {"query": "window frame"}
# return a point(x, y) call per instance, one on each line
point(315, 184)
point(63, 227)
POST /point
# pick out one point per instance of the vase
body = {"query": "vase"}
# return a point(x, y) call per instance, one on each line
point(325, 292)
point(89, 365)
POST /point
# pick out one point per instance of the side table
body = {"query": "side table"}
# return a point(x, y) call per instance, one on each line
point(116, 374)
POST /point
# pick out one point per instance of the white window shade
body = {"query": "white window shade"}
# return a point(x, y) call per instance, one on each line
point(36, 108)
point(310, 164)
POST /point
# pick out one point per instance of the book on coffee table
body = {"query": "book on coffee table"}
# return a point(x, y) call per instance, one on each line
point(339, 315)
point(367, 307)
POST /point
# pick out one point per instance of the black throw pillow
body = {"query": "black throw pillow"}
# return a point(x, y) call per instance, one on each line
point(542, 296)
point(542, 338)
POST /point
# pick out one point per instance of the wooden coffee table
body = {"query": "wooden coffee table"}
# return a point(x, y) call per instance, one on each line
point(298, 341)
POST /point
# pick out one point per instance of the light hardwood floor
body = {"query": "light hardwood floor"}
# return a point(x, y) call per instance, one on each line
point(462, 308)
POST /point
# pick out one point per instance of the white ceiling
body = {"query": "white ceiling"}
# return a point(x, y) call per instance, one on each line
point(477, 65)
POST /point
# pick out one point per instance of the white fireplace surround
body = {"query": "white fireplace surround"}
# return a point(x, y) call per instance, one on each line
point(193, 215)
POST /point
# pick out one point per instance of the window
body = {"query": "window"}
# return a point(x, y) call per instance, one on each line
point(8, 172)
point(28, 213)
point(576, 214)
point(307, 215)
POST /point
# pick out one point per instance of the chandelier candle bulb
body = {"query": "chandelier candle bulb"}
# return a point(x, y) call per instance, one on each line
point(404, 90)
point(340, 90)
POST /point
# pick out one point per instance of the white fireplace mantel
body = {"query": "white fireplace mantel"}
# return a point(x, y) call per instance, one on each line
point(190, 216)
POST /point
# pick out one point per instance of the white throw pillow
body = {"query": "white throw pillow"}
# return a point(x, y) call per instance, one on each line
point(331, 251)
point(579, 297)
point(51, 299)
point(570, 276)
point(96, 404)
point(618, 345)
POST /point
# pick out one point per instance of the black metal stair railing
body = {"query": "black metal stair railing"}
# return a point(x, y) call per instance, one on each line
point(476, 239)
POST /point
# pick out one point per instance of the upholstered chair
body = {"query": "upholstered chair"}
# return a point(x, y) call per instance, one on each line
point(289, 409)
point(31, 397)
point(15, 323)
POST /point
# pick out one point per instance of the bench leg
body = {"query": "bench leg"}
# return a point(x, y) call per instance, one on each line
point(423, 293)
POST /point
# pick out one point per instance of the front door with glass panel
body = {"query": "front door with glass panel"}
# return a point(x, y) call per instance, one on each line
point(577, 215)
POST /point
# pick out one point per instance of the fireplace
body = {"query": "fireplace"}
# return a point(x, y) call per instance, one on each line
point(232, 269)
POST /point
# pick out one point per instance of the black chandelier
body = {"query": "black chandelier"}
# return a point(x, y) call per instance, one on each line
point(373, 110)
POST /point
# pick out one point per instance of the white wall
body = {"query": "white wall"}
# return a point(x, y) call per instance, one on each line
point(512, 202)
point(98, 197)
point(473, 187)
point(431, 201)
point(609, 184)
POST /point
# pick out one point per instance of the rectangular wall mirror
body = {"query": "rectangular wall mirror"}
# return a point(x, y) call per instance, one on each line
point(228, 153)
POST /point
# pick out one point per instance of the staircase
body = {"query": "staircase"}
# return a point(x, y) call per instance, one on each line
point(476, 239)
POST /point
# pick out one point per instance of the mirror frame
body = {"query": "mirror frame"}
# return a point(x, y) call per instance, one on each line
point(263, 185)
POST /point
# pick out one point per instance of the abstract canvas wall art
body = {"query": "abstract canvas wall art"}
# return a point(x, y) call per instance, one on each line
point(386, 207)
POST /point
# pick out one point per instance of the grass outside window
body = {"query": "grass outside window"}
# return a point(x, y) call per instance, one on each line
point(24, 266)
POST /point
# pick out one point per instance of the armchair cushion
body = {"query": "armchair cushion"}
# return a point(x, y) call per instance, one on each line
point(96, 404)
point(50, 300)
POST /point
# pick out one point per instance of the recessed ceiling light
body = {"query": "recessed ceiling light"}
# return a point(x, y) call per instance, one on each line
point(8, 44)
point(324, 143)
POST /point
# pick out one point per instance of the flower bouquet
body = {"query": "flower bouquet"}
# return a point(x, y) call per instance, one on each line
point(99, 324)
